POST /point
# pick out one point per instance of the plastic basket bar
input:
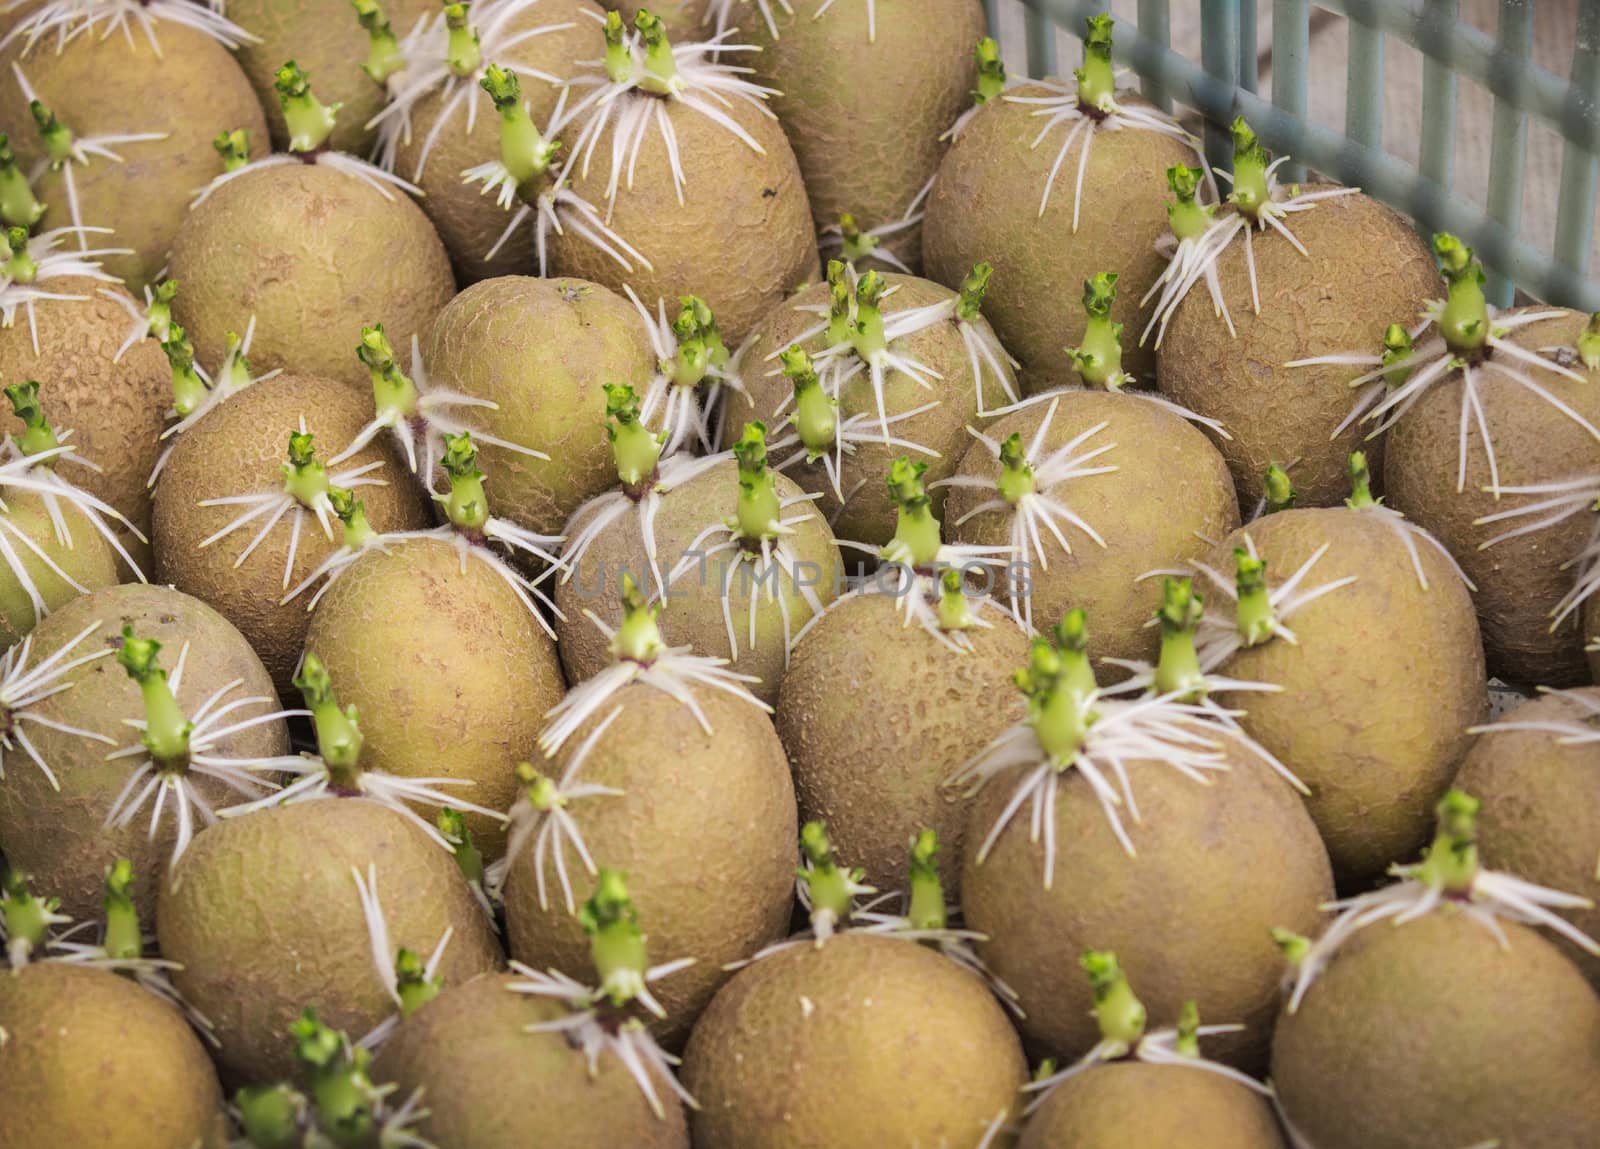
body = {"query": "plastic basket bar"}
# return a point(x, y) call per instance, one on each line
point(1432, 28)
point(1423, 194)
point(1155, 21)
point(1508, 145)
point(1291, 55)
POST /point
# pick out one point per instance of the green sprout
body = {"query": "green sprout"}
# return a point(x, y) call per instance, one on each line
point(816, 413)
point(1251, 194)
point(467, 503)
point(1589, 343)
point(991, 72)
point(1097, 80)
point(18, 207)
point(634, 447)
point(37, 435)
point(452, 827)
point(188, 389)
point(1257, 620)
point(1098, 358)
point(393, 393)
point(346, 1101)
point(1186, 215)
point(19, 264)
point(384, 58)
point(1396, 349)
point(616, 944)
point(167, 728)
point(1178, 668)
point(927, 910)
point(462, 54)
point(1016, 480)
point(1464, 322)
point(310, 122)
point(1120, 1014)
point(57, 137)
point(638, 638)
point(524, 151)
point(759, 513)
point(1280, 492)
point(1360, 483)
point(832, 888)
point(660, 69)
point(233, 147)
point(339, 737)
point(916, 543)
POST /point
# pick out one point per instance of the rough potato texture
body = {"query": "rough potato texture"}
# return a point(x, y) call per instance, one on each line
point(877, 715)
point(1520, 581)
point(1131, 1105)
point(451, 674)
point(542, 350)
point(1391, 673)
point(1169, 493)
point(114, 408)
point(89, 1058)
point(865, 1041)
point(864, 102)
point(985, 206)
point(490, 1084)
point(264, 914)
point(89, 561)
point(324, 38)
point(238, 449)
point(1433, 1033)
point(99, 86)
point(705, 830)
point(867, 514)
point(1217, 867)
point(59, 836)
point(1540, 818)
point(1368, 268)
point(314, 254)
point(469, 222)
point(741, 239)
point(711, 587)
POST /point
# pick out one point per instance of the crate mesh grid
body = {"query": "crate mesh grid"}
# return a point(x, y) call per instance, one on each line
point(1225, 82)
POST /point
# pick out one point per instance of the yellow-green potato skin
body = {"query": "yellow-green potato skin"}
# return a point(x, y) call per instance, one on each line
point(100, 86)
point(1434, 1033)
point(264, 915)
point(325, 39)
point(314, 254)
point(1368, 268)
point(468, 221)
point(865, 102)
point(1540, 817)
point(877, 715)
point(695, 602)
point(90, 562)
point(985, 206)
point(240, 448)
point(741, 239)
point(705, 831)
point(868, 513)
point(450, 673)
point(1378, 689)
point(490, 1084)
point(542, 349)
point(866, 1040)
point(1520, 581)
point(1132, 1105)
point(90, 1058)
point(1189, 916)
point(114, 408)
point(59, 837)
point(1169, 493)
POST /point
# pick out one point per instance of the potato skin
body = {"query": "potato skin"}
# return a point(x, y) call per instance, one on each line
point(1368, 268)
point(1520, 580)
point(1433, 1033)
point(985, 206)
point(314, 254)
point(541, 349)
point(866, 1040)
point(90, 1058)
point(115, 408)
point(1540, 815)
point(1188, 917)
point(60, 837)
point(100, 86)
point(1392, 673)
point(264, 915)
point(1169, 493)
point(490, 1084)
point(1132, 1105)
point(239, 448)
point(876, 716)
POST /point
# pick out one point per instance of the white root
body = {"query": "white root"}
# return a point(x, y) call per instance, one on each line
point(23, 687)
